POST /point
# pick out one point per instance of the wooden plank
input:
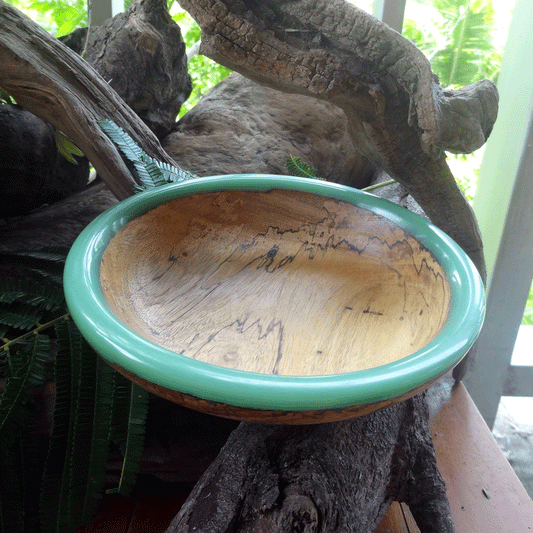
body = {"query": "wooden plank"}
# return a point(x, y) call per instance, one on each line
point(155, 508)
point(114, 514)
point(398, 520)
point(485, 494)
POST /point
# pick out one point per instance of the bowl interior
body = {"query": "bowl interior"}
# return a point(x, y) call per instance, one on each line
point(276, 282)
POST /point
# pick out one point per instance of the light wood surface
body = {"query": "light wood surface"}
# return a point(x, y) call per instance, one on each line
point(282, 282)
point(485, 494)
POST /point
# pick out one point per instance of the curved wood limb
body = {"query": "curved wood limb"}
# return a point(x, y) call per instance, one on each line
point(55, 84)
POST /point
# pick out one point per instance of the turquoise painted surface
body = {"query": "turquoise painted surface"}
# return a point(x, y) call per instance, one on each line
point(118, 344)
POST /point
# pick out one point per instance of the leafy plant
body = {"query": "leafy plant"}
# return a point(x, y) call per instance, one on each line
point(457, 37)
point(148, 170)
point(39, 342)
point(204, 72)
point(300, 169)
point(59, 17)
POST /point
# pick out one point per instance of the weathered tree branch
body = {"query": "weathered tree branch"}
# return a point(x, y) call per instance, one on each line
point(399, 116)
point(142, 55)
point(324, 478)
point(55, 84)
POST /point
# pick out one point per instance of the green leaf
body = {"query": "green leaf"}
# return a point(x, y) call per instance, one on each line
point(67, 148)
point(65, 485)
point(42, 264)
point(138, 411)
point(5, 97)
point(20, 316)
point(300, 169)
point(458, 40)
point(39, 295)
point(150, 172)
point(124, 142)
point(27, 377)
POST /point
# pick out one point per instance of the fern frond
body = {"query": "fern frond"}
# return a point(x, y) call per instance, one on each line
point(298, 168)
point(11, 489)
point(67, 463)
point(138, 411)
point(52, 485)
point(20, 316)
point(29, 375)
point(175, 174)
point(124, 142)
point(121, 404)
point(28, 291)
point(150, 171)
point(154, 175)
point(43, 265)
point(103, 411)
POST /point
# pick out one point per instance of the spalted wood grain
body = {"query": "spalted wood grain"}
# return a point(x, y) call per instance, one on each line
point(283, 282)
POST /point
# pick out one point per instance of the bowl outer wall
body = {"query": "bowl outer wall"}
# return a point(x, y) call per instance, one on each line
point(121, 346)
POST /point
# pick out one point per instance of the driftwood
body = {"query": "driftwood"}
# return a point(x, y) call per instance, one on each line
point(141, 54)
point(50, 80)
point(398, 114)
point(272, 478)
point(243, 127)
point(328, 477)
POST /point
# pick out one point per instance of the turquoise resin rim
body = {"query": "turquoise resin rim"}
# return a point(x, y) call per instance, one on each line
point(121, 346)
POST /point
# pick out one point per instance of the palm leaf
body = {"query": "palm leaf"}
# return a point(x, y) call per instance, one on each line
point(458, 41)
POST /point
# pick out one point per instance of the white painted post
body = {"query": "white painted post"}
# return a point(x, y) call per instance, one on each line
point(391, 12)
point(504, 208)
point(101, 10)
point(504, 148)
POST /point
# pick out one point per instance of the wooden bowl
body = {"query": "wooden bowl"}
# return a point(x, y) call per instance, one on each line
point(272, 298)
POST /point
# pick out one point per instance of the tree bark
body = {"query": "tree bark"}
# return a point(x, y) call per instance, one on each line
point(51, 81)
point(398, 114)
point(322, 478)
point(142, 56)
